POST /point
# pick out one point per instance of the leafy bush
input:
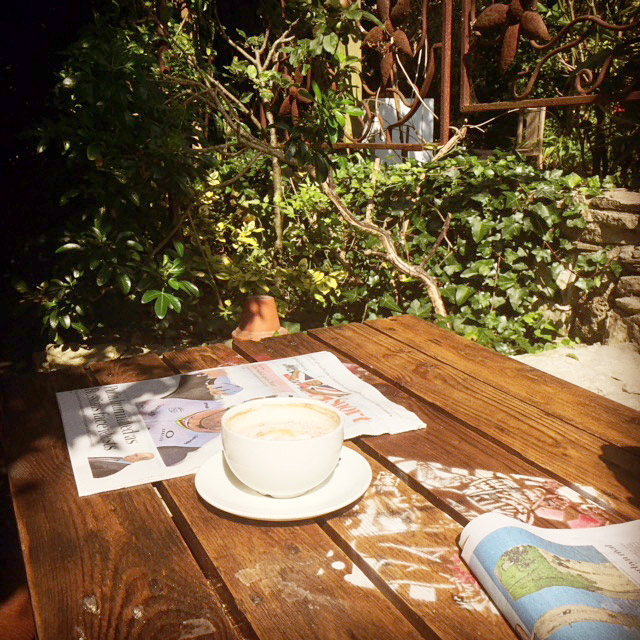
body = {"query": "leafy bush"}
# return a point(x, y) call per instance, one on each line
point(504, 263)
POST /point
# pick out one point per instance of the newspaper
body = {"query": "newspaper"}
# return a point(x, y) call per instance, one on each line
point(121, 435)
point(553, 584)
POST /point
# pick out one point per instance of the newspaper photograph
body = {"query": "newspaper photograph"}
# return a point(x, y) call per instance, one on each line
point(121, 435)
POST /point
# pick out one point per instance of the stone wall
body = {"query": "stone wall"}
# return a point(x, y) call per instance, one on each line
point(613, 315)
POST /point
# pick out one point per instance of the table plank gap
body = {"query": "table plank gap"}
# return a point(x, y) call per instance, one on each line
point(414, 504)
point(163, 366)
point(433, 498)
point(230, 606)
point(412, 546)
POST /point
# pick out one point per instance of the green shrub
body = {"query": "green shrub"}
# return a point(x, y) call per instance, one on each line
point(503, 265)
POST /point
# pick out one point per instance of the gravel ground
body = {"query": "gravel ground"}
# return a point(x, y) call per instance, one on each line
point(608, 370)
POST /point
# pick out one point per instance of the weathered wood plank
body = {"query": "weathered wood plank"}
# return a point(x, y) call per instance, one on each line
point(465, 471)
point(283, 576)
point(96, 569)
point(598, 415)
point(152, 366)
point(540, 437)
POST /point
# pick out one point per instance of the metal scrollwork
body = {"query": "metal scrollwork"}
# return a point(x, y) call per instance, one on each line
point(587, 83)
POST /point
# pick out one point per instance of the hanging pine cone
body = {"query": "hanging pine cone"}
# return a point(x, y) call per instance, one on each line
point(534, 25)
point(519, 16)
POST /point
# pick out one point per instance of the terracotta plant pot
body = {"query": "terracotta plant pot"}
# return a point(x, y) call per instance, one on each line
point(259, 320)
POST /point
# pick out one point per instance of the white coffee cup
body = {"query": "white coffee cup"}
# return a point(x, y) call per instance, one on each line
point(282, 447)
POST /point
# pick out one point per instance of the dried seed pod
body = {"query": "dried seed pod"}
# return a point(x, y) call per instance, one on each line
point(285, 107)
point(400, 11)
point(494, 16)
point(301, 97)
point(383, 9)
point(374, 37)
point(530, 5)
point(402, 42)
point(295, 111)
point(389, 26)
point(345, 4)
point(509, 46)
point(386, 67)
point(516, 9)
point(534, 25)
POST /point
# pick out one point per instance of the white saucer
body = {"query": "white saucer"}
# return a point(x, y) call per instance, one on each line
point(217, 485)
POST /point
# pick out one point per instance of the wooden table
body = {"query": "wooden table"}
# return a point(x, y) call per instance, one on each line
point(156, 562)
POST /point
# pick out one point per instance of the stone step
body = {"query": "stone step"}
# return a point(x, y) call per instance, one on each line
point(628, 286)
point(629, 304)
point(615, 219)
point(617, 200)
point(603, 234)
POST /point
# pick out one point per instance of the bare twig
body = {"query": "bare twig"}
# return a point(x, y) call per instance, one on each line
point(368, 215)
point(386, 239)
point(453, 141)
point(238, 175)
point(168, 237)
point(438, 242)
point(287, 36)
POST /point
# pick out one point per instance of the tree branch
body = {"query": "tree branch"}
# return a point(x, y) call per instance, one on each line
point(386, 239)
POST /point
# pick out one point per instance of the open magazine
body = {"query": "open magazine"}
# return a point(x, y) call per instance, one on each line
point(553, 584)
point(121, 435)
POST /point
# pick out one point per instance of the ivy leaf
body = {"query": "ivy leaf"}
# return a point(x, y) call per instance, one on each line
point(550, 217)
point(463, 293)
point(481, 197)
point(330, 42)
point(389, 302)
point(516, 295)
point(573, 179)
point(480, 228)
point(507, 280)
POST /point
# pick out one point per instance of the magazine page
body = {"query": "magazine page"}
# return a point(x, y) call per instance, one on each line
point(575, 584)
point(122, 435)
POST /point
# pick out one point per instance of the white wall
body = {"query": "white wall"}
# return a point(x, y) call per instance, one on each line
point(418, 129)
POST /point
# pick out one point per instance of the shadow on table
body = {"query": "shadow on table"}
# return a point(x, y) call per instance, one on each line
point(613, 456)
point(256, 522)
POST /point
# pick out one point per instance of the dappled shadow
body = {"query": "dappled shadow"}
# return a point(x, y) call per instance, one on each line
point(620, 460)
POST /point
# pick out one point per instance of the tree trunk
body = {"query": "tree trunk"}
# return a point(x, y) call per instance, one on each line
point(276, 170)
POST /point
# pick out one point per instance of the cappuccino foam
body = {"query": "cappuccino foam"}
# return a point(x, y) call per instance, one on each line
point(284, 422)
